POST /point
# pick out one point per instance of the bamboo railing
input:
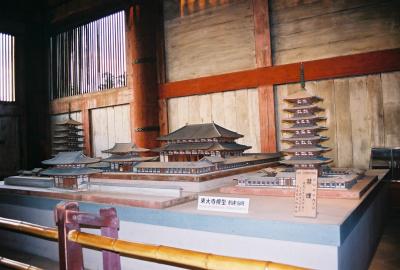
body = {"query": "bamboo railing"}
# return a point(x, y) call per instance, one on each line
point(183, 257)
point(29, 228)
point(17, 265)
point(160, 254)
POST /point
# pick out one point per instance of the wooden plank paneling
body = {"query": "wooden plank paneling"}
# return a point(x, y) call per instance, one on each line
point(391, 103)
point(9, 146)
point(329, 68)
point(221, 33)
point(309, 30)
point(236, 110)
point(326, 91)
point(375, 109)
point(110, 125)
point(360, 125)
point(344, 138)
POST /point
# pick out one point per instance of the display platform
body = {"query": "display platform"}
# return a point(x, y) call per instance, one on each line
point(343, 236)
point(127, 195)
point(355, 192)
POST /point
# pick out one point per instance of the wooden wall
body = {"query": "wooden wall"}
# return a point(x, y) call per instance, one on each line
point(9, 145)
point(307, 30)
point(109, 125)
point(213, 40)
point(235, 110)
point(362, 112)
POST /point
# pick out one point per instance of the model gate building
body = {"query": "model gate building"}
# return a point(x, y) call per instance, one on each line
point(193, 142)
point(67, 137)
point(69, 169)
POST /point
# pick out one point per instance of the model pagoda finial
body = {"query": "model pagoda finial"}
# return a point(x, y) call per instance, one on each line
point(306, 151)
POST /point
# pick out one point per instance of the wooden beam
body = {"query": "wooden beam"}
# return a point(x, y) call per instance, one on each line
point(87, 139)
point(266, 102)
point(112, 97)
point(329, 68)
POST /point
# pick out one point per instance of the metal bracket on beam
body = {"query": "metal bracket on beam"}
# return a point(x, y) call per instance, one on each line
point(144, 60)
point(147, 129)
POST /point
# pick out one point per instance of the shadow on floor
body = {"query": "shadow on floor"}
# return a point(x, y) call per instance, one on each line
point(387, 254)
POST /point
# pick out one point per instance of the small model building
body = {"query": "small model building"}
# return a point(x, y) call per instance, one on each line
point(124, 156)
point(67, 137)
point(193, 142)
point(70, 169)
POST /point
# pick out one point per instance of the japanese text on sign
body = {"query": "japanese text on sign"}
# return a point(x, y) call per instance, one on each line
point(223, 204)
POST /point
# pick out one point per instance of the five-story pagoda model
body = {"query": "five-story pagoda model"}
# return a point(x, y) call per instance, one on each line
point(67, 137)
point(305, 151)
point(124, 156)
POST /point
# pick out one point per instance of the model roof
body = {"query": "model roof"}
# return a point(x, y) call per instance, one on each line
point(70, 158)
point(312, 138)
point(174, 165)
point(318, 160)
point(124, 148)
point(68, 122)
point(206, 146)
point(303, 94)
point(128, 158)
point(313, 107)
point(200, 131)
point(309, 117)
point(293, 129)
point(311, 148)
point(70, 171)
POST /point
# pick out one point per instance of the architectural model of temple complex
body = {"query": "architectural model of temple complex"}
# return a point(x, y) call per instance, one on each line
point(124, 156)
point(305, 151)
point(69, 169)
point(67, 137)
point(193, 142)
point(195, 150)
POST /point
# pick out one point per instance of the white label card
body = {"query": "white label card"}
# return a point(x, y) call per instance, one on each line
point(306, 193)
point(223, 204)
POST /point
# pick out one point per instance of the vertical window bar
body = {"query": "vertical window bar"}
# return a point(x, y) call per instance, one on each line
point(7, 68)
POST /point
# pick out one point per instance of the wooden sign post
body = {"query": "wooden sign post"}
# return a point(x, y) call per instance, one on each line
point(306, 193)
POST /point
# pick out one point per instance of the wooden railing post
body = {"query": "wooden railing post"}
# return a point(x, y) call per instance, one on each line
point(70, 253)
point(109, 228)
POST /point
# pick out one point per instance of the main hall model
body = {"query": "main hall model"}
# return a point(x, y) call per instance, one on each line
point(305, 151)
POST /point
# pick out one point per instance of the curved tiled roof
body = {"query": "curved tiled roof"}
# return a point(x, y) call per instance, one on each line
point(200, 131)
point(68, 122)
point(124, 148)
point(70, 171)
point(210, 146)
point(70, 158)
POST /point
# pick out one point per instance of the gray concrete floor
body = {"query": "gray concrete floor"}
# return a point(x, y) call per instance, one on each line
point(387, 254)
point(30, 259)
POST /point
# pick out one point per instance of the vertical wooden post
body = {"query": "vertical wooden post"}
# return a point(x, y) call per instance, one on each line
point(141, 39)
point(70, 253)
point(111, 260)
point(262, 37)
point(86, 128)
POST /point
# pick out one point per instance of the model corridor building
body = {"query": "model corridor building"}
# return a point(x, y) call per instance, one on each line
point(124, 156)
